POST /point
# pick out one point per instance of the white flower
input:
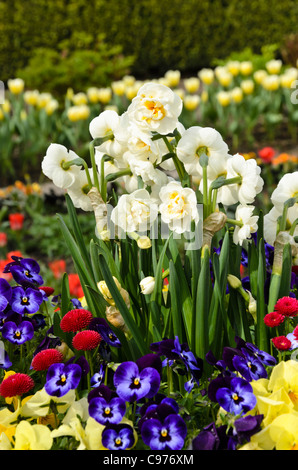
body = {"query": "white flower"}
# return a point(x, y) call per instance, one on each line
point(78, 191)
point(287, 188)
point(270, 225)
point(52, 166)
point(135, 212)
point(105, 125)
point(155, 108)
point(251, 182)
point(200, 139)
point(249, 224)
point(147, 285)
point(179, 207)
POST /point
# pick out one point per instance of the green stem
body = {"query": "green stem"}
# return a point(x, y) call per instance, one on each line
point(93, 164)
point(205, 193)
point(234, 222)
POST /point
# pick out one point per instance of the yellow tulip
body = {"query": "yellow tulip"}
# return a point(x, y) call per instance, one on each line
point(6, 106)
point(237, 95)
point(246, 67)
point(79, 99)
point(118, 87)
point(105, 95)
point(173, 77)
point(273, 66)
point(92, 94)
point(191, 102)
point(16, 86)
point(271, 82)
point(191, 84)
point(129, 80)
point(223, 98)
point(259, 76)
point(233, 67)
point(247, 86)
point(225, 78)
point(43, 99)
point(31, 97)
point(207, 76)
point(78, 113)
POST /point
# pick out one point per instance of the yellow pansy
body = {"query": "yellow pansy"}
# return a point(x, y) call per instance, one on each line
point(39, 403)
point(285, 375)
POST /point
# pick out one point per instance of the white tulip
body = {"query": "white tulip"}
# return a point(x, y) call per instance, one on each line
point(147, 285)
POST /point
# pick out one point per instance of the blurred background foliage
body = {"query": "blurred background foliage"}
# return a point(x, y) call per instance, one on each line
point(54, 44)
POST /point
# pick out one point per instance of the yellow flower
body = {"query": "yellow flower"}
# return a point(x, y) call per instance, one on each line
point(207, 76)
point(192, 84)
point(79, 99)
point(247, 86)
point(32, 437)
point(259, 76)
point(104, 95)
point(92, 94)
point(285, 375)
point(1, 115)
point(39, 404)
point(223, 98)
point(51, 107)
point(103, 289)
point(273, 66)
point(6, 106)
point(284, 432)
point(225, 78)
point(236, 94)
point(173, 77)
point(78, 112)
point(118, 87)
point(16, 86)
point(191, 102)
point(233, 67)
point(31, 97)
point(43, 100)
point(246, 67)
point(129, 80)
point(271, 82)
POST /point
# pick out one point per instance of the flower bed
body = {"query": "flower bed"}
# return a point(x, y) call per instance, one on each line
point(184, 334)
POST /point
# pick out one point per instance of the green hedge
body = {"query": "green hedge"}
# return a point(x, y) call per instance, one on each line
point(160, 34)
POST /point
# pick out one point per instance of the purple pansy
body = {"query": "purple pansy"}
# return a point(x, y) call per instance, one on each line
point(158, 410)
point(98, 377)
point(18, 333)
point(62, 378)
point(249, 366)
point(133, 384)
point(106, 408)
point(168, 434)
point(25, 271)
point(26, 300)
point(238, 398)
point(102, 327)
point(5, 294)
point(118, 437)
point(5, 362)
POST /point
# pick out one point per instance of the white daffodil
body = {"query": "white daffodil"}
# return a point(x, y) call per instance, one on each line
point(249, 224)
point(104, 126)
point(270, 225)
point(179, 207)
point(135, 212)
point(156, 108)
point(54, 166)
point(250, 182)
point(287, 188)
point(197, 140)
point(78, 191)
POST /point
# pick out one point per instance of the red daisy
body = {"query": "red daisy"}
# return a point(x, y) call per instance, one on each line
point(16, 385)
point(44, 359)
point(86, 340)
point(76, 320)
point(282, 343)
point(47, 290)
point(273, 319)
point(287, 306)
point(295, 332)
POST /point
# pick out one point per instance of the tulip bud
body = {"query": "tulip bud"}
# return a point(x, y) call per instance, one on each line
point(147, 285)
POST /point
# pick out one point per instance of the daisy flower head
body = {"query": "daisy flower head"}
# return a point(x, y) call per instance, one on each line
point(76, 320)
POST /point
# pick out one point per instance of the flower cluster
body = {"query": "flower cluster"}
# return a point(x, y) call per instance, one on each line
point(284, 315)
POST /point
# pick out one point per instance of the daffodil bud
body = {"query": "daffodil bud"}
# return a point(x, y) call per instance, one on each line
point(234, 282)
point(144, 243)
point(147, 285)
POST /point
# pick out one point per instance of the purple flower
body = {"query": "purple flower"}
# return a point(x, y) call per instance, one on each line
point(102, 327)
point(62, 378)
point(18, 333)
point(211, 438)
point(5, 294)
point(5, 362)
point(118, 437)
point(238, 398)
point(98, 377)
point(107, 409)
point(26, 300)
point(133, 384)
point(166, 406)
point(249, 366)
point(167, 434)
point(25, 271)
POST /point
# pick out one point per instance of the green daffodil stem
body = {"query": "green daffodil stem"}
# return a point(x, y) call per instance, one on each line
point(205, 192)
point(93, 164)
point(234, 222)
